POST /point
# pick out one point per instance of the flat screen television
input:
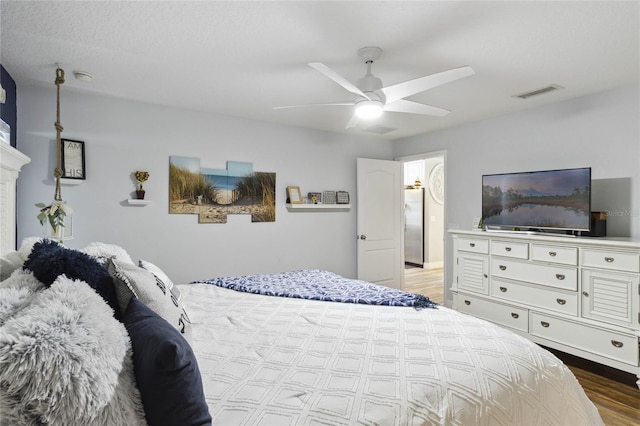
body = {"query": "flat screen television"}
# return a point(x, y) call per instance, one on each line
point(548, 200)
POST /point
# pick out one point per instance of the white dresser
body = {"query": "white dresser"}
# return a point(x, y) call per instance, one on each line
point(577, 295)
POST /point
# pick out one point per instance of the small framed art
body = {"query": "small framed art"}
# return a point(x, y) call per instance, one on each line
point(329, 197)
point(315, 197)
point(72, 156)
point(342, 197)
point(294, 195)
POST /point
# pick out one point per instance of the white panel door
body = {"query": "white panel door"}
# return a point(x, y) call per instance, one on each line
point(380, 222)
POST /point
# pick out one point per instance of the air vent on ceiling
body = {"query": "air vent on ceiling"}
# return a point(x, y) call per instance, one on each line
point(380, 130)
point(547, 89)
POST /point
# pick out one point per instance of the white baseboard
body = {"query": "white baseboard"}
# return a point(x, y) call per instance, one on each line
point(433, 265)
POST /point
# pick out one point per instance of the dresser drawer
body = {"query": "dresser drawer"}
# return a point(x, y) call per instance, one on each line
point(510, 249)
point(551, 275)
point(508, 316)
point(474, 245)
point(609, 259)
point(618, 346)
point(544, 297)
point(555, 254)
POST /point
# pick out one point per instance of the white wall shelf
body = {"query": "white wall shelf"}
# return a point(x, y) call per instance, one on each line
point(135, 202)
point(318, 207)
point(65, 181)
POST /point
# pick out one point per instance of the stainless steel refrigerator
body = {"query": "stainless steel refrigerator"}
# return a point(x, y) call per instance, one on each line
point(414, 226)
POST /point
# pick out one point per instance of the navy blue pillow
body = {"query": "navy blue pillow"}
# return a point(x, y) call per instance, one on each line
point(48, 260)
point(166, 370)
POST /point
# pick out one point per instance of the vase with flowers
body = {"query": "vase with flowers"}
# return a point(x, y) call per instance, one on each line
point(54, 214)
point(141, 177)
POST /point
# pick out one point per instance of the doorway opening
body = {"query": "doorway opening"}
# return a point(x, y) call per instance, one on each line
point(424, 233)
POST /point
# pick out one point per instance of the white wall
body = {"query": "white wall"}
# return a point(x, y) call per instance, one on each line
point(434, 222)
point(600, 131)
point(121, 137)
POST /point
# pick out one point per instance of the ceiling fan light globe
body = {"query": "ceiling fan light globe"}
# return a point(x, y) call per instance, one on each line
point(368, 110)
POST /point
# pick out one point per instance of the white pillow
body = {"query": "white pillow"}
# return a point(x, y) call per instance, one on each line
point(159, 273)
point(102, 252)
point(27, 246)
point(9, 263)
point(65, 359)
point(133, 281)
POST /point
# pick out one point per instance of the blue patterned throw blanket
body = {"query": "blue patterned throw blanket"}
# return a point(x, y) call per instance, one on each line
point(315, 284)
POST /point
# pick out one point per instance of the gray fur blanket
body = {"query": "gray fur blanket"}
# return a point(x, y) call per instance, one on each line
point(64, 358)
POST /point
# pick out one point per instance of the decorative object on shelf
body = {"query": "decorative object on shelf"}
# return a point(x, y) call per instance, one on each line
point(141, 177)
point(329, 197)
point(72, 159)
point(213, 194)
point(417, 184)
point(57, 216)
point(342, 197)
point(294, 195)
point(315, 197)
point(436, 183)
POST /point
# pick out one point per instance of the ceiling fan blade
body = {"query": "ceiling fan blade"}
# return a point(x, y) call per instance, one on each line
point(403, 105)
point(311, 105)
point(411, 87)
point(353, 122)
point(337, 78)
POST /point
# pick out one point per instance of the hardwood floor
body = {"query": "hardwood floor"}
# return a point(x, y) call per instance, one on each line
point(613, 392)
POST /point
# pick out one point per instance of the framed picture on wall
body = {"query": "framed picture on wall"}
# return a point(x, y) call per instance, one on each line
point(72, 156)
point(294, 195)
point(315, 197)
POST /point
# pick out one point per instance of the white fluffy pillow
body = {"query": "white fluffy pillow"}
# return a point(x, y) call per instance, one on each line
point(9, 263)
point(103, 252)
point(65, 359)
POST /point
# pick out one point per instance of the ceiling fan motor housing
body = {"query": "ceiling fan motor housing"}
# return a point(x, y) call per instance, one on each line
point(369, 83)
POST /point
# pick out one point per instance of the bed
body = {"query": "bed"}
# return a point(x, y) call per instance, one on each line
point(86, 333)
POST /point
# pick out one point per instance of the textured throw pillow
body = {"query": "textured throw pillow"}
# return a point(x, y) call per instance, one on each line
point(9, 263)
point(164, 278)
point(48, 260)
point(27, 245)
point(65, 359)
point(166, 370)
point(17, 292)
point(133, 281)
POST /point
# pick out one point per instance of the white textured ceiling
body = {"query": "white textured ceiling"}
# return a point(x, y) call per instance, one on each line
point(243, 58)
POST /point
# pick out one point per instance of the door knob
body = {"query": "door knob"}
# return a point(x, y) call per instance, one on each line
point(363, 237)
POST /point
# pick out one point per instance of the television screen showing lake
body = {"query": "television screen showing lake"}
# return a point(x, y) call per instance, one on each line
point(558, 199)
point(540, 216)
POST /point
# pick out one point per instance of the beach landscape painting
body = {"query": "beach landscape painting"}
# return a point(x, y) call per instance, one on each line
point(213, 194)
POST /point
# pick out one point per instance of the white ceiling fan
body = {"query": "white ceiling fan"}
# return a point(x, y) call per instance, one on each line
point(372, 99)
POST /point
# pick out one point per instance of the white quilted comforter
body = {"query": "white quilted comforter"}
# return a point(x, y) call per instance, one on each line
point(269, 360)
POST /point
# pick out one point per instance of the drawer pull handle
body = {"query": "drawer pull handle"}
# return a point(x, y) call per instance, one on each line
point(544, 324)
point(560, 277)
point(552, 253)
point(585, 294)
point(507, 248)
point(617, 344)
point(502, 267)
point(467, 302)
point(472, 244)
point(608, 259)
point(561, 301)
point(503, 289)
point(514, 315)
